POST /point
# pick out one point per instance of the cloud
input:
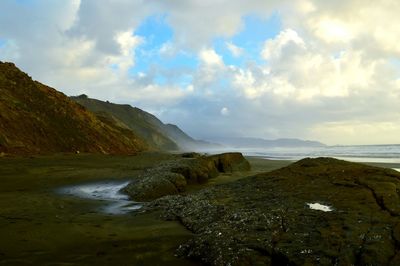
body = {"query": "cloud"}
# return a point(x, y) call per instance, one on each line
point(351, 22)
point(225, 111)
point(210, 58)
point(378, 132)
point(331, 73)
point(128, 44)
point(235, 50)
point(207, 21)
point(286, 40)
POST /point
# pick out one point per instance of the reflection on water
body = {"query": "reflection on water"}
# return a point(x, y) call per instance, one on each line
point(108, 192)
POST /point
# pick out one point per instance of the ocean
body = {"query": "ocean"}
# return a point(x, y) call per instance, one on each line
point(358, 153)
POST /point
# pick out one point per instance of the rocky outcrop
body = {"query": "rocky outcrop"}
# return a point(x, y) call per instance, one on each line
point(229, 162)
point(172, 177)
point(271, 219)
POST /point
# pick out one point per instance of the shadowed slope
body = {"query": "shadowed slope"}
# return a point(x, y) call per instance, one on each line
point(147, 126)
point(142, 123)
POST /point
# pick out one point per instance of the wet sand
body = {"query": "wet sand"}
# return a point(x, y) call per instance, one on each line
point(39, 226)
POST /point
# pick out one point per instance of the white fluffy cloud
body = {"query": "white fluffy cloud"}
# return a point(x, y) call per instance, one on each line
point(351, 23)
point(311, 71)
point(210, 58)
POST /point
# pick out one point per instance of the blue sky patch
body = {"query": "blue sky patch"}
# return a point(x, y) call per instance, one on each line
point(156, 34)
point(257, 30)
point(25, 2)
point(3, 43)
point(395, 62)
point(251, 39)
point(155, 30)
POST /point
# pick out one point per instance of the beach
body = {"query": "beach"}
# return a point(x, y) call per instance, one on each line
point(41, 224)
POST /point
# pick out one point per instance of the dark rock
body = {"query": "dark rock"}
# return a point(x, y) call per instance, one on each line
point(152, 187)
point(190, 155)
point(171, 177)
point(229, 162)
point(266, 219)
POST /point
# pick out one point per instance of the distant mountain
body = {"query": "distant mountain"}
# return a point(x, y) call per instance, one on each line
point(157, 134)
point(264, 143)
point(37, 119)
point(186, 142)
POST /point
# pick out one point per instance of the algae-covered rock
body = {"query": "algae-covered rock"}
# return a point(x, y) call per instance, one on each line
point(151, 187)
point(172, 177)
point(271, 218)
point(229, 162)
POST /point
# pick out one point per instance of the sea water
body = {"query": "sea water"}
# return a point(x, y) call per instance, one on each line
point(360, 153)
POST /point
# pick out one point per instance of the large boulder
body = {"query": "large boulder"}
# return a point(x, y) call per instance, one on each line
point(229, 162)
point(156, 184)
point(172, 177)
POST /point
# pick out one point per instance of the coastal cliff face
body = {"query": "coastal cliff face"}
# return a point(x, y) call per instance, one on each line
point(314, 212)
point(37, 119)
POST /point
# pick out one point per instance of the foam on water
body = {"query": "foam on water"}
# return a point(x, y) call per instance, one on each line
point(105, 191)
point(108, 192)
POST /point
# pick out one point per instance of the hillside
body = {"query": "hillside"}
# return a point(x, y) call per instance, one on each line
point(156, 133)
point(37, 119)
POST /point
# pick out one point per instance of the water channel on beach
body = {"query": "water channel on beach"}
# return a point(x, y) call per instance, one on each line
point(108, 192)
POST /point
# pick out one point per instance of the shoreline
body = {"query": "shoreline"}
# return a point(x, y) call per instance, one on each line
point(74, 230)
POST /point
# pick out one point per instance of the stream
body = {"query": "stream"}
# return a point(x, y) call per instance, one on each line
point(107, 192)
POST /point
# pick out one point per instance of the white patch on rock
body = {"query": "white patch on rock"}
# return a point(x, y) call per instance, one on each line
point(319, 207)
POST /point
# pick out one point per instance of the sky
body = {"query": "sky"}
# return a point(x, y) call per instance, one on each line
point(309, 69)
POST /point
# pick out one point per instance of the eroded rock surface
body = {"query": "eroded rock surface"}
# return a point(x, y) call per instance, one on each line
point(266, 219)
point(172, 177)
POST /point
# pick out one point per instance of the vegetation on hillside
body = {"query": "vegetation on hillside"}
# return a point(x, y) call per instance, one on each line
point(157, 134)
point(37, 119)
point(144, 124)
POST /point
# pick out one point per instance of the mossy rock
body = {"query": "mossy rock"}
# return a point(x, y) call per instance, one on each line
point(266, 219)
point(172, 177)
